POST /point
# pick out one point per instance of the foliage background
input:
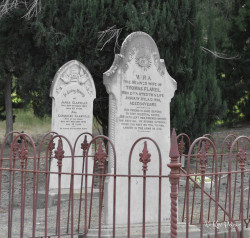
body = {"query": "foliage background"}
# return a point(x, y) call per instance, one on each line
point(212, 86)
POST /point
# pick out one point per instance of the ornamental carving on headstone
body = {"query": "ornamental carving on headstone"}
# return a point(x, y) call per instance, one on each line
point(74, 74)
point(137, 53)
point(144, 62)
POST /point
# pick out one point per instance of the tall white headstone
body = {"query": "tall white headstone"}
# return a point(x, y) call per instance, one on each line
point(140, 90)
point(72, 92)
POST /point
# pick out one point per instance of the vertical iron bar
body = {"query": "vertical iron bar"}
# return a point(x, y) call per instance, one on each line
point(114, 198)
point(23, 155)
point(69, 203)
point(100, 203)
point(10, 203)
point(80, 199)
point(242, 158)
point(100, 156)
point(201, 211)
point(59, 202)
point(59, 155)
point(211, 190)
point(22, 206)
point(192, 212)
point(235, 185)
point(46, 197)
point(159, 215)
point(248, 202)
point(129, 195)
point(144, 204)
point(34, 198)
point(203, 162)
point(72, 199)
point(242, 204)
point(226, 199)
point(86, 202)
point(185, 197)
point(229, 199)
point(91, 198)
point(24, 189)
point(13, 188)
point(174, 175)
point(216, 196)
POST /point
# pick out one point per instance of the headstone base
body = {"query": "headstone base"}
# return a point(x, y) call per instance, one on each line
point(53, 196)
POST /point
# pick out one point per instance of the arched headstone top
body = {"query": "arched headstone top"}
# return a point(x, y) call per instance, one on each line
point(139, 53)
point(73, 72)
point(141, 47)
point(137, 42)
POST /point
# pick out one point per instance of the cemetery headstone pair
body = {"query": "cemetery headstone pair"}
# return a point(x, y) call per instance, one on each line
point(140, 90)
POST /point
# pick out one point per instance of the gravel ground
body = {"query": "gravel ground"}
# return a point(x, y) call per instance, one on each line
point(195, 198)
point(40, 222)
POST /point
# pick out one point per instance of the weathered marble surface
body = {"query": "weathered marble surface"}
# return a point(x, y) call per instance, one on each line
point(140, 90)
point(72, 92)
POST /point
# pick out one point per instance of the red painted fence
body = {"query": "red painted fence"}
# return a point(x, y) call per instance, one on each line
point(210, 193)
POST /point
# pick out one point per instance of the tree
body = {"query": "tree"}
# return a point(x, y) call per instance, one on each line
point(178, 32)
point(90, 31)
point(234, 74)
point(212, 106)
point(197, 104)
point(11, 62)
point(231, 29)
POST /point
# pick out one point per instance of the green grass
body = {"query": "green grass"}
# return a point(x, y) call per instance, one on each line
point(34, 126)
point(26, 121)
point(25, 118)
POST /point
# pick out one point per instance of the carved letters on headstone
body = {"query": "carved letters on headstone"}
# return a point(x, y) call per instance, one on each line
point(72, 92)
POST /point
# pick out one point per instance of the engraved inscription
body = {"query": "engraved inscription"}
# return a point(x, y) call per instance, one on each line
point(71, 115)
point(143, 98)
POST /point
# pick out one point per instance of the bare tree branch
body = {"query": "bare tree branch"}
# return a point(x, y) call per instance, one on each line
point(219, 55)
point(110, 33)
point(33, 7)
point(7, 5)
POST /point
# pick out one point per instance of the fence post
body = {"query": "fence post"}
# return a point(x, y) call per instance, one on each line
point(174, 175)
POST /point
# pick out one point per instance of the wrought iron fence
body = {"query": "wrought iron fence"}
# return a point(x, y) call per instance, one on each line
point(209, 188)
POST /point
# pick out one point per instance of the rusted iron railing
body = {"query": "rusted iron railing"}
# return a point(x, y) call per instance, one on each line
point(212, 178)
point(211, 188)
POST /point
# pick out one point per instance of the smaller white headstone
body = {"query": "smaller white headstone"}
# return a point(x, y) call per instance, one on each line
point(72, 92)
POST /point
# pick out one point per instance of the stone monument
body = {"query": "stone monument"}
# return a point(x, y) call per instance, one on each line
point(72, 92)
point(140, 90)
